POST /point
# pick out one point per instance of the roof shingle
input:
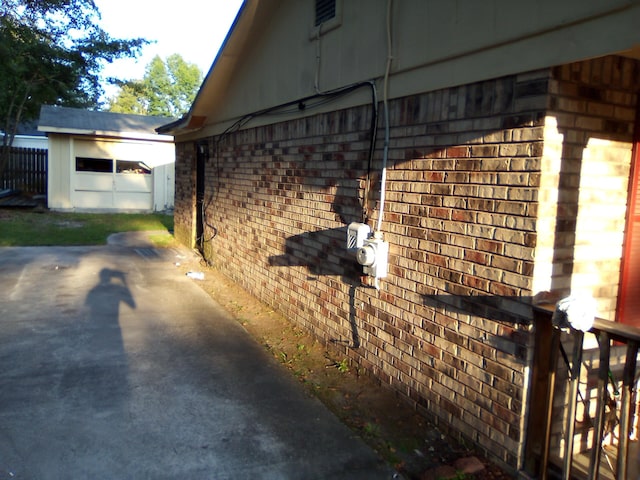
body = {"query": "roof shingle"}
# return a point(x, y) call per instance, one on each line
point(62, 119)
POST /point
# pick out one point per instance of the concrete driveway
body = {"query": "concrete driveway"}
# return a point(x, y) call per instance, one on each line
point(116, 366)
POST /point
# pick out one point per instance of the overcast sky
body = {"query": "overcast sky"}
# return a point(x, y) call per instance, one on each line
point(193, 28)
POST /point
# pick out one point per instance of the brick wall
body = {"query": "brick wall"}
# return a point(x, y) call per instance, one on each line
point(184, 194)
point(449, 329)
point(462, 238)
point(586, 162)
point(477, 176)
point(588, 144)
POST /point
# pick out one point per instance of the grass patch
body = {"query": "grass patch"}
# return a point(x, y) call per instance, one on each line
point(28, 228)
point(163, 240)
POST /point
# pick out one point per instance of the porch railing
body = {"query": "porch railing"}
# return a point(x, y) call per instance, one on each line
point(548, 348)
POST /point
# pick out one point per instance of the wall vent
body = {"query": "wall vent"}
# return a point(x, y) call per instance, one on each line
point(325, 10)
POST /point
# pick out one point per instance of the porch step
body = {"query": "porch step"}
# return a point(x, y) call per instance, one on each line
point(608, 461)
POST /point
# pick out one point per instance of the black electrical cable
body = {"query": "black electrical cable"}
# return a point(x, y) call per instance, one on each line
point(301, 104)
point(372, 147)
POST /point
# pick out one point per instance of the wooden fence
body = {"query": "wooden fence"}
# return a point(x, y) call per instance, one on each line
point(26, 171)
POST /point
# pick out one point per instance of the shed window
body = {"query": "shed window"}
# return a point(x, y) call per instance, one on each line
point(132, 166)
point(99, 165)
point(325, 10)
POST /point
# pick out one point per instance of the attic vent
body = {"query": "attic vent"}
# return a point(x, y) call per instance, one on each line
point(325, 10)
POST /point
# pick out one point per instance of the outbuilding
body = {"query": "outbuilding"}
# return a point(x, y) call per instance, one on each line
point(104, 161)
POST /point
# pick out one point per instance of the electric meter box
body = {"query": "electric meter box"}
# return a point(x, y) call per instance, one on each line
point(357, 234)
point(373, 256)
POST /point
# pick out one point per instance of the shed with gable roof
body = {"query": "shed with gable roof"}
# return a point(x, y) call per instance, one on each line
point(104, 161)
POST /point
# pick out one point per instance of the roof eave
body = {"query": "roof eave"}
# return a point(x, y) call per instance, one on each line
point(225, 59)
point(189, 123)
point(107, 133)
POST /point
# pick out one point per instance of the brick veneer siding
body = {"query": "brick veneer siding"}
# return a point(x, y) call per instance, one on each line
point(449, 330)
point(587, 158)
point(589, 132)
point(185, 195)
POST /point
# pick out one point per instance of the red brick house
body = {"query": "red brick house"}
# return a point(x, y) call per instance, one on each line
point(491, 145)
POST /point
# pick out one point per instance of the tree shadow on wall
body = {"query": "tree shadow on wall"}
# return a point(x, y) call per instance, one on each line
point(324, 253)
point(512, 317)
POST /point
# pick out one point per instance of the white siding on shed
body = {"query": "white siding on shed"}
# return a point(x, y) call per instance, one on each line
point(70, 189)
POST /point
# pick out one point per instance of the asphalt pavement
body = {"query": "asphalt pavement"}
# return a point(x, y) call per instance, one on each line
point(114, 365)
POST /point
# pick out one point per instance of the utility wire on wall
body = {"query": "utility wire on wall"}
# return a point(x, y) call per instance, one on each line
point(385, 93)
point(317, 79)
point(312, 101)
point(316, 100)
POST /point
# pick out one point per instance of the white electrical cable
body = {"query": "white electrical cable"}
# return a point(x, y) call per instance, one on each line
point(317, 79)
point(385, 151)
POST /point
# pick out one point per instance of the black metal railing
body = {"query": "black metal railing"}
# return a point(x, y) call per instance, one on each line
point(548, 347)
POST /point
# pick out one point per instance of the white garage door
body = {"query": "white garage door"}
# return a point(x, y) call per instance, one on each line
point(112, 184)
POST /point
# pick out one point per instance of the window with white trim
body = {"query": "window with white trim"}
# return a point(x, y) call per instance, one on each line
point(132, 167)
point(95, 165)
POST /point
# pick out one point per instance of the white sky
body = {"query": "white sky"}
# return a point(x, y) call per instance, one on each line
point(193, 28)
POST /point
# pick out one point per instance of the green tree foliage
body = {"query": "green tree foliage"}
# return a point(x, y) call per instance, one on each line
point(51, 52)
point(167, 89)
